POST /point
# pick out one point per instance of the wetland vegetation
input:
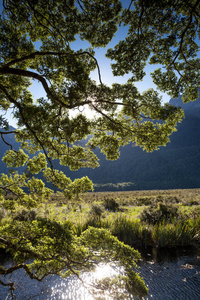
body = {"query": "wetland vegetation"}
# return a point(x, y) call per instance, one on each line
point(158, 218)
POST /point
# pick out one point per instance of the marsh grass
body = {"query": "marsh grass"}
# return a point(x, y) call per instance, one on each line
point(132, 232)
point(174, 235)
point(178, 223)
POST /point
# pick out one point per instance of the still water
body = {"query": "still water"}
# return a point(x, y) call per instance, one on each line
point(169, 276)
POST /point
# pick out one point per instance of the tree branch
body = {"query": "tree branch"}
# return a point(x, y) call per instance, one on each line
point(17, 104)
point(130, 4)
point(1, 133)
point(184, 32)
point(110, 119)
point(11, 285)
point(30, 74)
point(46, 53)
point(8, 132)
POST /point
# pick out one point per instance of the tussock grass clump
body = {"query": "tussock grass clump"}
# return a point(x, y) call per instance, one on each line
point(96, 211)
point(173, 235)
point(161, 235)
point(132, 232)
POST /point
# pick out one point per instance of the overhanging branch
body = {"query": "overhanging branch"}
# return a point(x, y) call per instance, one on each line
point(17, 104)
point(52, 53)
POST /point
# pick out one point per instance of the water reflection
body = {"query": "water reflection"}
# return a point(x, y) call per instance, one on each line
point(172, 274)
point(74, 289)
point(170, 279)
point(105, 270)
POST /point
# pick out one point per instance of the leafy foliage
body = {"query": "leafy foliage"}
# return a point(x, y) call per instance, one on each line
point(37, 44)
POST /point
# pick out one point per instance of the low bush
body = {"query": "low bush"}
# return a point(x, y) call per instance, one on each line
point(25, 215)
point(193, 202)
point(96, 211)
point(156, 214)
point(144, 201)
point(111, 204)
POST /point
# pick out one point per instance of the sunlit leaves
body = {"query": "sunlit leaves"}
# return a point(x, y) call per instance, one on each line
point(78, 186)
point(36, 164)
point(166, 34)
point(110, 146)
point(99, 20)
point(15, 159)
point(78, 157)
point(58, 178)
point(69, 187)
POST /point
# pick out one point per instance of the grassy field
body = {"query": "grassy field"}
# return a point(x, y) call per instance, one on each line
point(157, 218)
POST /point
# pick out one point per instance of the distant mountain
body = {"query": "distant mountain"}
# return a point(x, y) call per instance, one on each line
point(9, 139)
point(175, 166)
point(190, 107)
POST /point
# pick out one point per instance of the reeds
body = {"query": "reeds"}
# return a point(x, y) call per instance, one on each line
point(173, 235)
point(138, 234)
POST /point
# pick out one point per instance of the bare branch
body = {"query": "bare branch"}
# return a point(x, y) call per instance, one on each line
point(130, 4)
point(79, 3)
point(11, 285)
point(1, 133)
point(8, 132)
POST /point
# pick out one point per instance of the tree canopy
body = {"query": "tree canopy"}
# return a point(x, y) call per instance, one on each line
point(36, 39)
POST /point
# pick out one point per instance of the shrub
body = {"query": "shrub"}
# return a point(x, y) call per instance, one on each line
point(25, 215)
point(193, 202)
point(140, 201)
point(111, 204)
point(96, 211)
point(154, 215)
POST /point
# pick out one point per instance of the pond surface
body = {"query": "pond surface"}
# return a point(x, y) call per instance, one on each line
point(173, 275)
point(170, 275)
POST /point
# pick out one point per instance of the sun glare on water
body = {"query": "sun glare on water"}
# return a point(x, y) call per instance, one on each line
point(105, 270)
point(73, 289)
